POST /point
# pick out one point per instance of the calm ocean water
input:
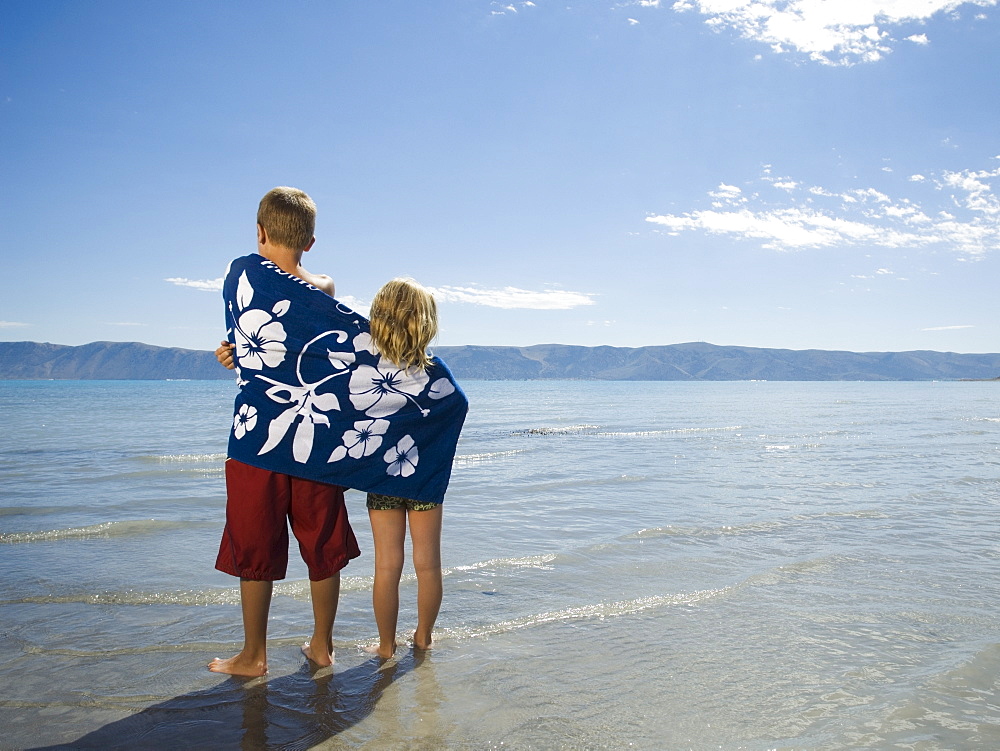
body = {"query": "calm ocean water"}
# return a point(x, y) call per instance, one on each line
point(628, 565)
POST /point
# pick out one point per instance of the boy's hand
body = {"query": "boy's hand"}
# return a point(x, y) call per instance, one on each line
point(224, 354)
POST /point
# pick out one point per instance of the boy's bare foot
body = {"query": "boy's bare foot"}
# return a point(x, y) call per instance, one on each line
point(239, 665)
point(419, 643)
point(379, 651)
point(322, 657)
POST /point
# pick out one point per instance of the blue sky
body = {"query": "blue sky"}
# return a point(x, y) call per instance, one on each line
point(770, 173)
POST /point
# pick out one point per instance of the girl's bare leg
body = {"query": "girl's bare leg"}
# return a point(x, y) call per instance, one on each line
point(389, 534)
point(425, 534)
point(325, 595)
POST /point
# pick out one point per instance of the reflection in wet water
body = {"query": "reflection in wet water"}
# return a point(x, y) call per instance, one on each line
point(293, 711)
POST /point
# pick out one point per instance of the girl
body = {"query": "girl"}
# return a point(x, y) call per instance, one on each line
point(403, 322)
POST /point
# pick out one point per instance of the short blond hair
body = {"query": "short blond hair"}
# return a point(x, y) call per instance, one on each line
point(403, 323)
point(288, 216)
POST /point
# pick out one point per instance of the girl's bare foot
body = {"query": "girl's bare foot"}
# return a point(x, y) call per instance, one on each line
point(239, 665)
point(378, 650)
point(318, 655)
point(420, 642)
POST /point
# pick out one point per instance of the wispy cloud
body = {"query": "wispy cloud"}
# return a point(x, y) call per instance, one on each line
point(206, 285)
point(947, 328)
point(12, 324)
point(507, 297)
point(503, 9)
point(215, 285)
point(965, 219)
point(512, 297)
point(834, 32)
point(356, 304)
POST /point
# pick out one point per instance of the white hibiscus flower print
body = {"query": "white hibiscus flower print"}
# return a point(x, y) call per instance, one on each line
point(402, 458)
point(307, 407)
point(244, 421)
point(259, 340)
point(258, 336)
point(441, 388)
point(363, 342)
point(340, 360)
point(303, 402)
point(363, 440)
point(384, 389)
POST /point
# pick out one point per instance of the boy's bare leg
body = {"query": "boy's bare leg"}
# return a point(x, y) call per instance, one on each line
point(425, 533)
point(389, 534)
point(255, 599)
point(325, 597)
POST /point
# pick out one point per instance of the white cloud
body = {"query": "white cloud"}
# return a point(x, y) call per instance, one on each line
point(632, 21)
point(832, 32)
point(355, 304)
point(726, 191)
point(12, 324)
point(947, 328)
point(502, 9)
point(512, 297)
point(787, 229)
point(508, 297)
point(727, 195)
point(967, 221)
point(206, 285)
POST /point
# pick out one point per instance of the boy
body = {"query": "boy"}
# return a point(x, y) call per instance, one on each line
point(255, 541)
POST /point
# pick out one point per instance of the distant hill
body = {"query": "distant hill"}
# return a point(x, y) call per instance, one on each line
point(699, 361)
point(694, 361)
point(129, 361)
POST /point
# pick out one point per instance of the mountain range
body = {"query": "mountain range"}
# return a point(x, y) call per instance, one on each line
point(693, 361)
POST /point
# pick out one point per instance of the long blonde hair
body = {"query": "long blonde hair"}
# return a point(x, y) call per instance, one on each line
point(403, 322)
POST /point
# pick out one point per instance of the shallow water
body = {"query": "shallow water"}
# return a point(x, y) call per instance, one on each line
point(666, 565)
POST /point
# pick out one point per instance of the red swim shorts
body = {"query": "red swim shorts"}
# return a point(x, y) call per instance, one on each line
point(255, 541)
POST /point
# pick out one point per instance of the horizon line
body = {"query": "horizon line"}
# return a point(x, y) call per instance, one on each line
point(552, 344)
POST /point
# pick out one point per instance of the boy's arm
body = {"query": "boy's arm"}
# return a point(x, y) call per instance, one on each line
point(224, 354)
point(320, 281)
point(326, 285)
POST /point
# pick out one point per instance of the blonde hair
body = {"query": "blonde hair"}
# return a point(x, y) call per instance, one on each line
point(403, 322)
point(288, 216)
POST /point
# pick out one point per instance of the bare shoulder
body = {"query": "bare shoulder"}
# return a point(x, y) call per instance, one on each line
point(321, 282)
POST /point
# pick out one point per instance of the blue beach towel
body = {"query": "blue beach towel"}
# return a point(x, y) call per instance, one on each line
point(316, 399)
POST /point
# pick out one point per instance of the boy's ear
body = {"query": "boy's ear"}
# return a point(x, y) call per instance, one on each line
point(306, 249)
point(261, 235)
